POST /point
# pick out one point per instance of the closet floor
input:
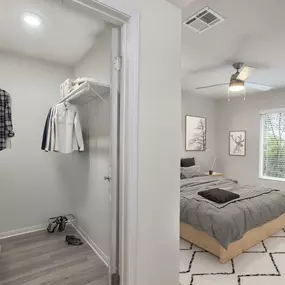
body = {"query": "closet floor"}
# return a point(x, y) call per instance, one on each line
point(46, 259)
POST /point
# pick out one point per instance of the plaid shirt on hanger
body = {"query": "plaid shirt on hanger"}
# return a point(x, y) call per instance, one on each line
point(6, 127)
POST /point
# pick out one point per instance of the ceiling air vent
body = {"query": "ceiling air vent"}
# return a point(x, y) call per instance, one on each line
point(203, 20)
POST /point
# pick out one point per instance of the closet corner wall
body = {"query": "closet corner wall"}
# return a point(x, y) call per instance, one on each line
point(89, 194)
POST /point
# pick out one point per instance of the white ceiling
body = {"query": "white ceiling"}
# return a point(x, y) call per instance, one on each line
point(253, 33)
point(65, 36)
point(181, 3)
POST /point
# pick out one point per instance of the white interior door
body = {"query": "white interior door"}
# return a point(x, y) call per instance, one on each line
point(115, 122)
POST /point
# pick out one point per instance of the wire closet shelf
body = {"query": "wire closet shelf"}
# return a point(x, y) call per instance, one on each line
point(87, 92)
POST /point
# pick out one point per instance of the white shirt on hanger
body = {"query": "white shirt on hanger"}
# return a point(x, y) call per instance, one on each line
point(68, 133)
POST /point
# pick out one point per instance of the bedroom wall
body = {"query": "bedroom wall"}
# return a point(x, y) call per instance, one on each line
point(31, 180)
point(244, 115)
point(196, 105)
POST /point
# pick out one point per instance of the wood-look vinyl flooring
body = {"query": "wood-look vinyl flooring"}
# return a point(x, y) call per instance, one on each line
point(46, 259)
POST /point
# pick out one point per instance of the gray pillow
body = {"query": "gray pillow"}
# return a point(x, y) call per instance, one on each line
point(190, 172)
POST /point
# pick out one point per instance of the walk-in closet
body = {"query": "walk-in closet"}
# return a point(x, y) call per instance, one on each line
point(56, 114)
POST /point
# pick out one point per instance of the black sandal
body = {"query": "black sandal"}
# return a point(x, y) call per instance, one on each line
point(72, 240)
point(68, 237)
point(75, 242)
point(62, 224)
point(53, 225)
point(58, 223)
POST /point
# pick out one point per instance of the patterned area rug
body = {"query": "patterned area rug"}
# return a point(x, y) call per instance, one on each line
point(263, 264)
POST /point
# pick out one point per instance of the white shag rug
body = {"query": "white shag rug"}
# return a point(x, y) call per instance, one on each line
point(263, 264)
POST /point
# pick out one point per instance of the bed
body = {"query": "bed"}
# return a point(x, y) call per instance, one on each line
point(226, 230)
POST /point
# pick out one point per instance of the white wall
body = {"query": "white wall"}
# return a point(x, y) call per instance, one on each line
point(97, 62)
point(31, 180)
point(195, 105)
point(159, 131)
point(89, 192)
point(244, 115)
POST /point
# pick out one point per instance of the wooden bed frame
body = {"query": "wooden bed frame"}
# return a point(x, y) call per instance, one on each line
point(250, 239)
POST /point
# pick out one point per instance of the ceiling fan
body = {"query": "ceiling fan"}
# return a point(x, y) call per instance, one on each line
point(238, 80)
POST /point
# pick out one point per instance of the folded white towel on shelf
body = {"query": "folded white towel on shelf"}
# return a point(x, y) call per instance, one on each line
point(70, 85)
point(81, 80)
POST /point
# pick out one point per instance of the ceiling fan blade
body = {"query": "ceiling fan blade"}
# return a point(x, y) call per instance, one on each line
point(258, 86)
point(245, 73)
point(210, 86)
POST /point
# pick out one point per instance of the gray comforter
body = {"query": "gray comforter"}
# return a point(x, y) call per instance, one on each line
point(230, 221)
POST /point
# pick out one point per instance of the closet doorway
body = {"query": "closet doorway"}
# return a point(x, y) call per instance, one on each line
point(61, 52)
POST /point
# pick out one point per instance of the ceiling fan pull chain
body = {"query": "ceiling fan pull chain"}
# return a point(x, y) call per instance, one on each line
point(244, 93)
point(229, 99)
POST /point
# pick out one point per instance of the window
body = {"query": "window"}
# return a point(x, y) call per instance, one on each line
point(272, 152)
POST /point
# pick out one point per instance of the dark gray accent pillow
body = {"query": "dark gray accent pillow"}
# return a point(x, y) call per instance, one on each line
point(219, 196)
point(187, 162)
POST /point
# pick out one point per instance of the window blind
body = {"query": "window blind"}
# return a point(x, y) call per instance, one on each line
point(273, 144)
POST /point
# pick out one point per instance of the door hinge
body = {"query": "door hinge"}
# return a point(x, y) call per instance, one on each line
point(115, 279)
point(117, 63)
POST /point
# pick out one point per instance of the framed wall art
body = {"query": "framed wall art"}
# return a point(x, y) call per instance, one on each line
point(237, 141)
point(195, 133)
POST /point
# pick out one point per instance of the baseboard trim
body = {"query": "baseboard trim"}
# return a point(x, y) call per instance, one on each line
point(91, 243)
point(22, 231)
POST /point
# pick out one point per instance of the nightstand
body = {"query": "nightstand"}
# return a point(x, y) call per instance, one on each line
point(214, 174)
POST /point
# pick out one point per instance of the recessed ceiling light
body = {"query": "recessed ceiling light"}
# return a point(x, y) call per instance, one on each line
point(32, 19)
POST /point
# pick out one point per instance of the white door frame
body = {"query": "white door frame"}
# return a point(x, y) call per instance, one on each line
point(129, 21)
point(114, 262)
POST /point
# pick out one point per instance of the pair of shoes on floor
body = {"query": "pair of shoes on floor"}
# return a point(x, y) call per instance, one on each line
point(72, 240)
point(57, 224)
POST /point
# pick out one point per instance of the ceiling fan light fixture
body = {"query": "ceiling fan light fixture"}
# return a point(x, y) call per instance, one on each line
point(236, 88)
point(236, 85)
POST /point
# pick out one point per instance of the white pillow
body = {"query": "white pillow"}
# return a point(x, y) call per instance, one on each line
point(190, 172)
